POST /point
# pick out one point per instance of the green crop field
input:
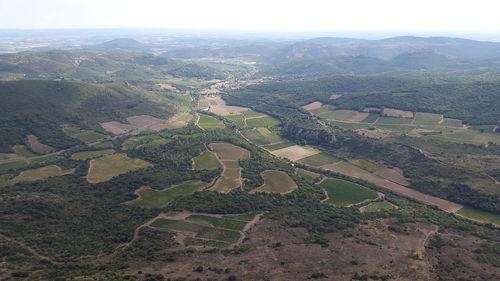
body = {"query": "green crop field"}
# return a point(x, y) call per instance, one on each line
point(151, 198)
point(308, 174)
point(262, 122)
point(107, 167)
point(219, 234)
point(276, 182)
point(349, 125)
point(367, 165)
point(218, 222)
point(237, 119)
point(372, 117)
point(344, 193)
point(23, 151)
point(255, 136)
point(451, 122)
point(377, 207)
point(206, 161)
point(41, 173)
point(103, 145)
point(479, 215)
point(428, 118)
point(178, 225)
point(251, 113)
point(242, 217)
point(319, 159)
point(207, 122)
point(91, 154)
point(86, 136)
point(344, 115)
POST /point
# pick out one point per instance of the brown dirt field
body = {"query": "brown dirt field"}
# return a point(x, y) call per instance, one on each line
point(117, 128)
point(359, 117)
point(355, 172)
point(394, 175)
point(294, 153)
point(335, 96)
point(38, 147)
point(220, 107)
point(144, 121)
point(372, 249)
point(229, 152)
point(392, 112)
point(313, 105)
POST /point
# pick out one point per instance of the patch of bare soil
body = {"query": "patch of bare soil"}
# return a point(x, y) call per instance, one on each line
point(219, 107)
point(294, 153)
point(394, 175)
point(335, 96)
point(38, 147)
point(144, 121)
point(276, 253)
point(312, 106)
point(117, 128)
point(371, 109)
point(392, 112)
point(355, 172)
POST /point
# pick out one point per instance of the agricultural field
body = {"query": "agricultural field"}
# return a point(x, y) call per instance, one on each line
point(207, 122)
point(308, 174)
point(428, 118)
point(35, 145)
point(377, 207)
point(86, 136)
point(229, 152)
point(367, 165)
point(279, 145)
point(152, 198)
point(480, 215)
point(117, 128)
point(91, 154)
point(40, 174)
point(276, 182)
point(107, 167)
point(312, 105)
point(204, 229)
point(319, 159)
point(229, 155)
point(206, 161)
point(237, 119)
point(262, 136)
point(344, 193)
point(24, 163)
point(22, 150)
point(295, 152)
point(257, 122)
point(136, 142)
point(103, 145)
point(218, 106)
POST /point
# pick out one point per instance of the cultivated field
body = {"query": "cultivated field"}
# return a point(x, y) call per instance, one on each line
point(152, 198)
point(262, 136)
point(41, 173)
point(91, 154)
point(350, 170)
point(265, 121)
point(276, 182)
point(308, 174)
point(394, 175)
point(344, 193)
point(319, 159)
point(479, 215)
point(376, 207)
point(84, 135)
point(229, 152)
point(392, 112)
point(207, 230)
point(206, 161)
point(335, 96)
point(22, 150)
point(117, 128)
point(313, 105)
point(295, 152)
point(35, 145)
point(219, 107)
point(105, 168)
point(144, 121)
point(207, 122)
point(229, 155)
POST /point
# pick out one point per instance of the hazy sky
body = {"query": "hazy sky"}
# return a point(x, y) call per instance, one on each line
point(437, 15)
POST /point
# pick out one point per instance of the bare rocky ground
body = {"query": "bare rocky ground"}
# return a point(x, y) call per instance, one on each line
point(379, 250)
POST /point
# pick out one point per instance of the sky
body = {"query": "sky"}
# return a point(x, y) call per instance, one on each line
point(289, 15)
